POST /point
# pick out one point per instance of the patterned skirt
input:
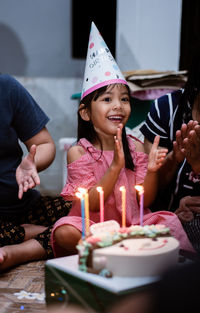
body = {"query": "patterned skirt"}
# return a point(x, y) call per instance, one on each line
point(45, 212)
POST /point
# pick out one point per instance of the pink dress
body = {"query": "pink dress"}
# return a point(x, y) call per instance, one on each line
point(88, 170)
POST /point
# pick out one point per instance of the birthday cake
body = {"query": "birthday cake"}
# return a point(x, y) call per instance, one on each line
point(131, 251)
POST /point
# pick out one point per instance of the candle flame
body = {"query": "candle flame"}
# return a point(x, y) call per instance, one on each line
point(139, 188)
point(79, 195)
point(99, 189)
point(122, 188)
point(83, 191)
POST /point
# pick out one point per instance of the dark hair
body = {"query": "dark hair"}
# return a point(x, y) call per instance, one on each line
point(86, 129)
point(191, 89)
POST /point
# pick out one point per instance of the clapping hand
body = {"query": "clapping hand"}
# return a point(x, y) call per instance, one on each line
point(156, 156)
point(118, 158)
point(26, 174)
point(187, 144)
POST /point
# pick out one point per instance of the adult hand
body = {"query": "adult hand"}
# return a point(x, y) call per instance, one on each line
point(187, 207)
point(181, 138)
point(156, 156)
point(26, 174)
point(191, 145)
point(187, 144)
point(178, 145)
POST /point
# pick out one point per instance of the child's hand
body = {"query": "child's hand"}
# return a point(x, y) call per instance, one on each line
point(156, 156)
point(118, 159)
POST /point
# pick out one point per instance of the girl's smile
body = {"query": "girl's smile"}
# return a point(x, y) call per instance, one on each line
point(116, 118)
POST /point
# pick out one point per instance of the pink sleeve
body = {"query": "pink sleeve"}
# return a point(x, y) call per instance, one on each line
point(141, 161)
point(80, 174)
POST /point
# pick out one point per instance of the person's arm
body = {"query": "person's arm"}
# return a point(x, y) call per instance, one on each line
point(46, 149)
point(151, 182)
point(108, 181)
point(41, 154)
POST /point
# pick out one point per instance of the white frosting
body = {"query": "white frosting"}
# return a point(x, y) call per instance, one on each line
point(138, 257)
point(107, 227)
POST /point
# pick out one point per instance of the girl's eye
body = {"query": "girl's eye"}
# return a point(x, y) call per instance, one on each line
point(125, 99)
point(107, 99)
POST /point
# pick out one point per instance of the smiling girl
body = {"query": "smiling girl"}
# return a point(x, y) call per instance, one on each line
point(105, 156)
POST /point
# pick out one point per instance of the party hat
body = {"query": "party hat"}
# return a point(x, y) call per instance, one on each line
point(101, 68)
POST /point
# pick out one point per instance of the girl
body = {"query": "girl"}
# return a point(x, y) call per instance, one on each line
point(105, 156)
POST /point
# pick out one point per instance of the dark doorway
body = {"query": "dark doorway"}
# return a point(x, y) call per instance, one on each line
point(190, 31)
point(103, 14)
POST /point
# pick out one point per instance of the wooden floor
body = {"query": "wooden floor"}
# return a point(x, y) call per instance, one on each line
point(22, 289)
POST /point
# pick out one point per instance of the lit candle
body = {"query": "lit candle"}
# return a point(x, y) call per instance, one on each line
point(87, 223)
point(81, 197)
point(101, 196)
point(84, 192)
point(140, 189)
point(123, 190)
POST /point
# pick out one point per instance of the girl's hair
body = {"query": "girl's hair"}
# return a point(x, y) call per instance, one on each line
point(191, 89)
point(86, 129)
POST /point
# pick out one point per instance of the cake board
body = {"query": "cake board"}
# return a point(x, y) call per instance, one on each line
point(65, 284)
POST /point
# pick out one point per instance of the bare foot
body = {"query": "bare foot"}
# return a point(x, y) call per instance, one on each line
point(27, 251)
point(31, 230)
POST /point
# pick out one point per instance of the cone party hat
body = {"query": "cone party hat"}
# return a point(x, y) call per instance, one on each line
point(101, 68)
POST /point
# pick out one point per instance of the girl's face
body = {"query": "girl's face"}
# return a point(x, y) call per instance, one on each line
point(110, 109)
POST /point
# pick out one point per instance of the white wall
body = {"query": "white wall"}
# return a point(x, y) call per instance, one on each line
point(35, 38)
point(148, 34)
